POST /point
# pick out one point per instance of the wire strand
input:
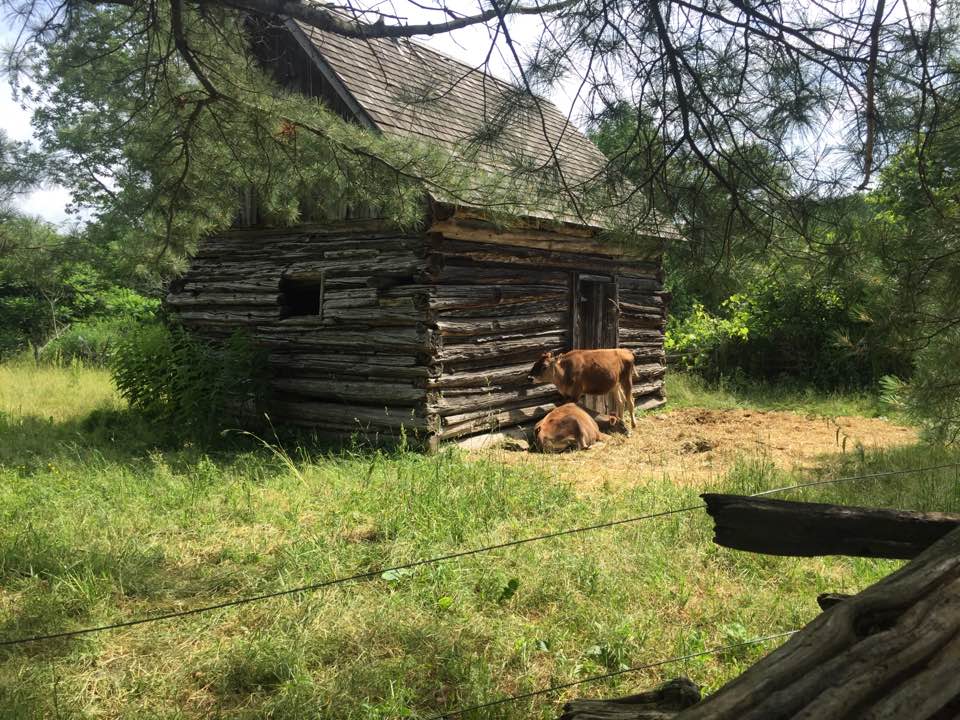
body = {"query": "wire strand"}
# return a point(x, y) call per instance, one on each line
point(313, 587)
point(872, 476)
point(615, 673)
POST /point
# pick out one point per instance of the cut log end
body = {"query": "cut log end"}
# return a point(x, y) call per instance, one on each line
point(660, 704)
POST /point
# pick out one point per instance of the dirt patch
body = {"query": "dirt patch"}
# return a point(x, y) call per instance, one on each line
point(696, 445)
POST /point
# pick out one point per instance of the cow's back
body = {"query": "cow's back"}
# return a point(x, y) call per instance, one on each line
point(595, 372)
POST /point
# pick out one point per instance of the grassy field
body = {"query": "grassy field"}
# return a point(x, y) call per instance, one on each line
point(100, 521)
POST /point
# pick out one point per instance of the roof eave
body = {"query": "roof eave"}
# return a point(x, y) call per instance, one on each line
point(329, 74)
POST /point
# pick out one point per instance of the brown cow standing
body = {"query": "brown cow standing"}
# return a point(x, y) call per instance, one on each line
point(590, 372)
point(570, 426)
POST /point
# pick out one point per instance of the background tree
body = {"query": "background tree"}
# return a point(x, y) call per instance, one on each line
point(752, 124)
point(729, 88)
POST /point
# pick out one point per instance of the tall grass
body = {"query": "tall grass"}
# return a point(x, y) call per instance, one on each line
point(690, 390)
point(100, 521)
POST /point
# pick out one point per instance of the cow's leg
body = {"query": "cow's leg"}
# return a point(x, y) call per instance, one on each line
point(626, 387)
point(581, 441)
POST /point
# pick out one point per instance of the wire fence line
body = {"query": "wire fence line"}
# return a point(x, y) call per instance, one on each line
point(313, 587)
point(596, 678)
point(871, 476)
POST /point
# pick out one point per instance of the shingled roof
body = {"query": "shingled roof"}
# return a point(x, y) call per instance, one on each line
point(405, 89)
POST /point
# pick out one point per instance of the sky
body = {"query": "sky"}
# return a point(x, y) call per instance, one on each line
point(469, 45)
point(47, 202)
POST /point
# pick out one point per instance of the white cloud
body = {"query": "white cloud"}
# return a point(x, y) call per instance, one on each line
point(48, 203)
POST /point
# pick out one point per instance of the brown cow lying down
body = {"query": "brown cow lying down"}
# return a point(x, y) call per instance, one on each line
point(570, 426)
point(590, 372)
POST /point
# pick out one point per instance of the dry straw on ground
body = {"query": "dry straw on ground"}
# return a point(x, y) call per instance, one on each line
point(695, 445)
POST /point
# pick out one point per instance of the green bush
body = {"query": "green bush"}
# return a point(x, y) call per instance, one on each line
point(120, 311)
point(90, 341)
point(191, 385)
point(796, 328)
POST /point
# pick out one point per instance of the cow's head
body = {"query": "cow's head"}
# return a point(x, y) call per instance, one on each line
point(611, 424)
point(542, 370)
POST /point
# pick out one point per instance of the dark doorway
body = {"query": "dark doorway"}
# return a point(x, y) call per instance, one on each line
point(596, 315)
point(596, 323)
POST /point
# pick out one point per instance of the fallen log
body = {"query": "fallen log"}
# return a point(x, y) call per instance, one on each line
point(892, 651)
point(781, 527)
point(660, 704)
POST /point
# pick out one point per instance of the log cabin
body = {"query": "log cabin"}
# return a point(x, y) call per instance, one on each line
point(372, 329)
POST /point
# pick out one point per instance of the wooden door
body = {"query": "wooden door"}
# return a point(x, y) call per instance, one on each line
point(595, 321)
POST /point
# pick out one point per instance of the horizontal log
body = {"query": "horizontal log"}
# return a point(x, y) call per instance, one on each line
point(649, 371)
point(537, 307)
point(471, 217)
point(305, 361)
point(349, 298)
point(496, 351)
point(470, 423)
point(215, 267)
point(193, 284)
point(500, 376)
point(654, 387)
point(636, 321)
point(643, 248)
point(507, 255)
point(644, 284)
point(647, 354)
point(187, 299)
point(318, 231)
point(640, 335)
point(312, 272)
point(651, 402)
point(347, 416)
point(305, 337)
point(229, 317)
point(660, 704)
point(462, 402)
point(345, 390)
point(461, 297)
point(487, 233)
point(646, 304)
point(371, 316)
point(457, 274)
point(492, 325)
point(782, 527)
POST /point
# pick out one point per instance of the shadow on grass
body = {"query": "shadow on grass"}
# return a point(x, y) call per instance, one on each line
point(28, 441)
point(31, 442)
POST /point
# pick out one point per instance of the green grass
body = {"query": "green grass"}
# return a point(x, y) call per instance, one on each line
point(690, 390)
point(99, 522)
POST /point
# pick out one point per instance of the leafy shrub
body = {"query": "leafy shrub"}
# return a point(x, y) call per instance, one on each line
point(796, 328)
point(697, 339)
point(120, 311)
point(91, 341)
point(931, 398)
point(191, 385)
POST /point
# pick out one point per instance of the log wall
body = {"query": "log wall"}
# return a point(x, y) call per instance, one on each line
point(502, 297)
point(356, 360)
